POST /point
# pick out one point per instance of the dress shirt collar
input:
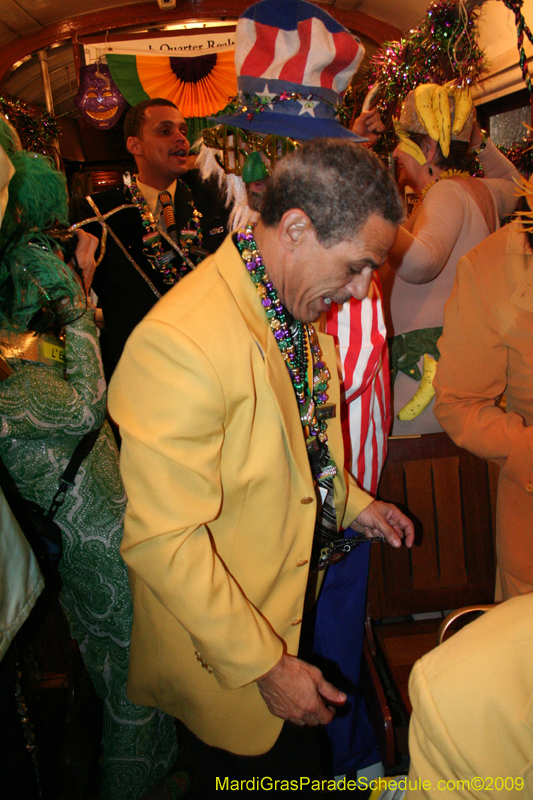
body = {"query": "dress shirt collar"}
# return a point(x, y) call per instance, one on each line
point(151, 195)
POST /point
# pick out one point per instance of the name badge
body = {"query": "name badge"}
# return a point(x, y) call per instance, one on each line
point(328, 411)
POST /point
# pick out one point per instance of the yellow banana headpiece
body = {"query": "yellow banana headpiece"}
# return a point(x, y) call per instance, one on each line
point(407, 145)
point(444, 112)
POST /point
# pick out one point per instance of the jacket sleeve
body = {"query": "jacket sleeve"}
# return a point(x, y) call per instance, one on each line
point(73, 406)
point(356, 502)
point(426, 240)
point(170, 406)
point(501, 177)
point(472, 375)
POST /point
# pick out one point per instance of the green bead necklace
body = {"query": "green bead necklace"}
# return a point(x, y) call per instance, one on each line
point(312, 404)
point(164, 260)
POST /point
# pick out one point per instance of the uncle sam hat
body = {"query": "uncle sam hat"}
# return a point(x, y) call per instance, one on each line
point(293, 63)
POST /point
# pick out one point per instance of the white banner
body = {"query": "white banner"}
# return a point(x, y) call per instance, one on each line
point(170, 45)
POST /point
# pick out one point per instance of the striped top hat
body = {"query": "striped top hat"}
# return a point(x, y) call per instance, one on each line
point(293, 63)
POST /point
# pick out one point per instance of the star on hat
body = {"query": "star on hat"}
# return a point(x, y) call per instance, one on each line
point(267, 97)
point(308, 107)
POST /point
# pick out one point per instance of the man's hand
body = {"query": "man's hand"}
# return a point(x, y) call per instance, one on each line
point(369, 124)
point(384, 519)
point(85, 250)
point(295, 691)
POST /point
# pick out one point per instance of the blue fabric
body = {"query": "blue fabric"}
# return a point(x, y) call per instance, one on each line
point(286, 14)
point(338, 647)
point(301, 128)
point(251, 85)
point(285, 117)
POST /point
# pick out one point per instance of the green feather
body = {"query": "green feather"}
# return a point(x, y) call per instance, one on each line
point(38, 291)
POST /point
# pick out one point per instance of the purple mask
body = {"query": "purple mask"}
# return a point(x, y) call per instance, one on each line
point(98, 98)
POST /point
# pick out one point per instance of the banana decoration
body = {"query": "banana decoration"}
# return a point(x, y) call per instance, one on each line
point(423, 395)
point(463, 105)
point(407, 145)
point(423, 96)
point(371, 98)
point(441, 109)
point(443, 112)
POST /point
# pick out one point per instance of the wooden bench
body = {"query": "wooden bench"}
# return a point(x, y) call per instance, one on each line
point(451, 496)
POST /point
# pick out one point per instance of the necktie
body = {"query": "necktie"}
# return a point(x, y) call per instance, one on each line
point(167, 212)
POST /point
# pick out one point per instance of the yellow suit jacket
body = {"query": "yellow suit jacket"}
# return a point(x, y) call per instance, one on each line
point(221, 503)
point(471, 731)
point(487, 349)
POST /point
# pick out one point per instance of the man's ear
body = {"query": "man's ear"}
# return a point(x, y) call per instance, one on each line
point(294, 228)
point(133, 145)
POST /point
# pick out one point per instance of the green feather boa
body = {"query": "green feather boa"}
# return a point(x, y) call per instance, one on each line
point(37, 290)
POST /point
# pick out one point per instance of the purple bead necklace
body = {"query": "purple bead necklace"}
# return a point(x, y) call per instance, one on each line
point(295, 357)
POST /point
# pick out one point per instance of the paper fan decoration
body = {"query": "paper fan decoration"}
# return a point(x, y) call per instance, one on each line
point(199, 85)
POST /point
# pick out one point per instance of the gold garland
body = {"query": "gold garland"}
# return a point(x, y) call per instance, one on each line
point(447, 173)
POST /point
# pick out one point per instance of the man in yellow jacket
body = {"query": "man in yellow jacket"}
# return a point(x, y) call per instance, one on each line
point(471, 731)
point(232, 461)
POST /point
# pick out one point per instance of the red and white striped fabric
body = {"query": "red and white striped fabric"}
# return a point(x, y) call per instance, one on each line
point(296, 42)
point(359, 331)
point(293, 63)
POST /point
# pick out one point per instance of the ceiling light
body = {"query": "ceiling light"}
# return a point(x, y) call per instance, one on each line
point(22, 61)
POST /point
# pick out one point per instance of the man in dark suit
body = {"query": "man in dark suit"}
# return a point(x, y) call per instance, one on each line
point(143, 251)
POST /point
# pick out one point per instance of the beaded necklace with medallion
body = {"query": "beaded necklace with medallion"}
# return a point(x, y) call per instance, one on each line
point(313, 407)
point(163, 260)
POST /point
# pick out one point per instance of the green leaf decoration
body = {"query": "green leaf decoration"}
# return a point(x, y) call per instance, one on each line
point(406, 350)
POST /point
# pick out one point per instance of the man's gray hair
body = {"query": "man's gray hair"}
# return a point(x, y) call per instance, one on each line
point(337, 183)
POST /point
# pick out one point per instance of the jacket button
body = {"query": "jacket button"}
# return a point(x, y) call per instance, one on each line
point(295, 622)
point(306, 500)
point(301, 562)
point(529, 487)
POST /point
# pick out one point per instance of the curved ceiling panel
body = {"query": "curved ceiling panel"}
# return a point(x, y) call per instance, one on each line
point(54, 26)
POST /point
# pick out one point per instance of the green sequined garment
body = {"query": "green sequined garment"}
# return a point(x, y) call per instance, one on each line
point(42, 418)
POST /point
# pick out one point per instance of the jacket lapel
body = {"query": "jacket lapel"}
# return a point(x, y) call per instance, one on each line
point(233, 271)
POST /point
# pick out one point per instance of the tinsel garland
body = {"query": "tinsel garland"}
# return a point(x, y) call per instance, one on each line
point(256, 104)
point(37, 129)
point(521, 156)
point(441, 48)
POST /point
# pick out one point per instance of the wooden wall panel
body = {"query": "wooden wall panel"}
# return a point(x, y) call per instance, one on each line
point(450, 496)
point(446, 480)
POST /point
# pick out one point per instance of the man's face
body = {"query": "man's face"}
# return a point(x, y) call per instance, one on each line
point(162, 149)
point(254, 193)
point(318, 276)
